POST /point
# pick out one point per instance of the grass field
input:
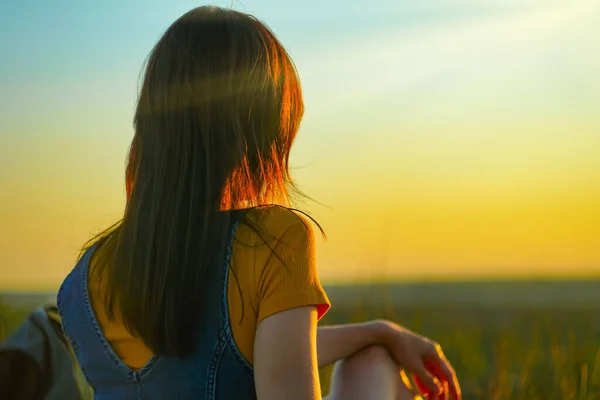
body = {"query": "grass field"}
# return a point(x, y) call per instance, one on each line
point(519, 354)
point(503, 347)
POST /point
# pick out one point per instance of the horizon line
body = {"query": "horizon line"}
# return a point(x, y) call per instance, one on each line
point(381, 282)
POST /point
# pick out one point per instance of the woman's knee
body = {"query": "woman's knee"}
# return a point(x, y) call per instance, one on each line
point(369, 372)
point(372, 355)
point(370, 358)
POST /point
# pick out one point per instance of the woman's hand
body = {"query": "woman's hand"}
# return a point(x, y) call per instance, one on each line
point(422, 357)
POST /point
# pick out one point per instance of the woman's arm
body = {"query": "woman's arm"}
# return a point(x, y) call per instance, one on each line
point(286, 361)
point(416, 353)
point(285, 356)
point(335, 343)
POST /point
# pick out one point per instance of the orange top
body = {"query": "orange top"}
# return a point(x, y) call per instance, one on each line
point(269, 282)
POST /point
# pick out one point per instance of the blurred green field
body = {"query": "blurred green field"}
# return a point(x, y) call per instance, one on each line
point(507, 340)
point(543, 350)
point(509, 355)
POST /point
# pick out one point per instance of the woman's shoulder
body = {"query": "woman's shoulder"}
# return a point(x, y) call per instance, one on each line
point(277, 221)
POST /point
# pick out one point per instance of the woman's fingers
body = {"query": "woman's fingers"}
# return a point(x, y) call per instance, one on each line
point(429, 385)
point(453, 385)
point(442, 370)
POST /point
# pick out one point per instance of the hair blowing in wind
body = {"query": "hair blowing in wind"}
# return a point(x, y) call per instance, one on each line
point(218, 110)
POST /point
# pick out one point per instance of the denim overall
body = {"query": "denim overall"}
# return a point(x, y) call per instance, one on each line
point(216, 371)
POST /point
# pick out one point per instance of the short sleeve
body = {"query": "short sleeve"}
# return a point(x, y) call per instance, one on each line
point(289, 277)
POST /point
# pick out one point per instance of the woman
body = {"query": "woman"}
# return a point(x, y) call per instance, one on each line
point(207, 288)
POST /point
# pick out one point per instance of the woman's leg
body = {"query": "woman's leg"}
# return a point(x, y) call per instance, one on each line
point(370, 374)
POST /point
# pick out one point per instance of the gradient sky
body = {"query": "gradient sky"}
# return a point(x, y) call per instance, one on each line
point(445, 138)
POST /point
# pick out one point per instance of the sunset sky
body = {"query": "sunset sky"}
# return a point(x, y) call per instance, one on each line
point(444, 138)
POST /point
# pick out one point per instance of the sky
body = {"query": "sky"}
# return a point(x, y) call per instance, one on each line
point(446, 139)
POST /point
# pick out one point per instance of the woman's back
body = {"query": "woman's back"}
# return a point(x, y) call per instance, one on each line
point(216, 116)
point(266, 267)
point(207, 287)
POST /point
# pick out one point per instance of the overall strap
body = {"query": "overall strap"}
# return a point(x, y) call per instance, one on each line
point(81, 327)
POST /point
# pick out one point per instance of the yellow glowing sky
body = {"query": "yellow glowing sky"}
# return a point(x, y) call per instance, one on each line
point(452, 139)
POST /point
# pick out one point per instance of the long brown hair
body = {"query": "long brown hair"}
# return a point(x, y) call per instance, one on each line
point(218, 110)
